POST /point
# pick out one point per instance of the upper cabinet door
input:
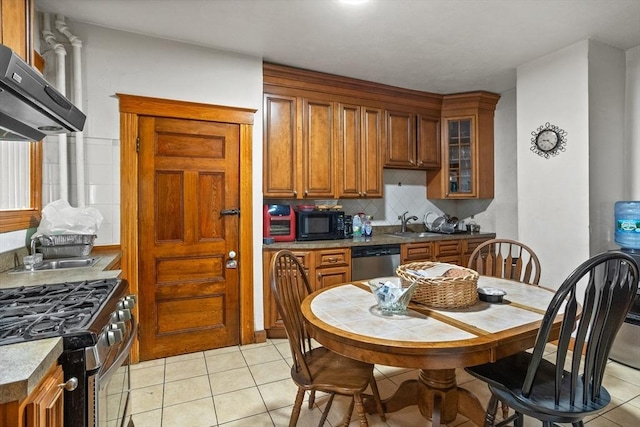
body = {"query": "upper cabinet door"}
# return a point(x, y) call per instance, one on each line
point(428, 142)
point(317, 149)
point(349, 149)
point(15, 27)
point(401, 140)
point(360, 136)
point(371, 157)
point(467, 148)
point(281, 153)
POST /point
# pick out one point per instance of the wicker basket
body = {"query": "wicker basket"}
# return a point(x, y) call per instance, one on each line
point(439, 291)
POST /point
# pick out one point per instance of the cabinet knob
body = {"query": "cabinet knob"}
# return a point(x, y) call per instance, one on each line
point(364, 194)
point(70, 385)
point(306, 193)
point(295, 194)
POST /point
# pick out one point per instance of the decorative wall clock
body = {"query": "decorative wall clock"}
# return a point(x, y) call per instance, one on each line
point(548, 140)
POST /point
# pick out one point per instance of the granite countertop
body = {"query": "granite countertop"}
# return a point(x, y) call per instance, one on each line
point(23, 365)
point(379, 238)
point(98, 271)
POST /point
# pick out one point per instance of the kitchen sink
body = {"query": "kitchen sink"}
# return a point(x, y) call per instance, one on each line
point(58, 264)
point(414, 234)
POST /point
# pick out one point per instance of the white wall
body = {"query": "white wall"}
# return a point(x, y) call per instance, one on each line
point(606, 141)
point(553, 194)
point(566, 203)
point(632, 125)
point(119, 62)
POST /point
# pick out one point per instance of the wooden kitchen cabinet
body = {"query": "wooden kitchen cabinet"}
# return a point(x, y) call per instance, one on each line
point(412, 140)
point(468, 246)
point(325, 136)
point(359, 144)
point(333, 266)
point(298, 158)
point(455, 251)
point(415, 252)
point(449, 251)
point(280, 149)
point(16, 27)
point(324, 267)
point(44, 407)
point(272, 321)
point(467, 170)
point(317, 149)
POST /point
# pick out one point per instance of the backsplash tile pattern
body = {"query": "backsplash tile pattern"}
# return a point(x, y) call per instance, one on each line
point(102, 181)
point(404, 190)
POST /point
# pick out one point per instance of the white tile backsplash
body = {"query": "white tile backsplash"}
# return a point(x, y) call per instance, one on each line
point(13, 240)
point(98, 155)
point(102, 181)
point(100, 174)
point(404, 190)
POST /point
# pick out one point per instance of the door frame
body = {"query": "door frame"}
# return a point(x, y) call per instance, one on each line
point(133, 106)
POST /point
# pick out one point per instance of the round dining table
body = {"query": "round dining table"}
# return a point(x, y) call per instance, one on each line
point(346, 319)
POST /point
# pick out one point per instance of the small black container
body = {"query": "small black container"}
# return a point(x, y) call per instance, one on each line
point(493, 295)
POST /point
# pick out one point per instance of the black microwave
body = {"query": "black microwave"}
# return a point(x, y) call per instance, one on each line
point(320, 225)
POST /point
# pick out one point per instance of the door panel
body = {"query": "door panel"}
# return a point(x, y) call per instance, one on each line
point(189, 172)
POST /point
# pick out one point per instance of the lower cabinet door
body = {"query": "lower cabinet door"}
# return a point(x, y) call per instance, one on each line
point(45, 407)
point(332, 276)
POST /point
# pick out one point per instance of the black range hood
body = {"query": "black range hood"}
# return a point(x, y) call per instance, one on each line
point(30, 108)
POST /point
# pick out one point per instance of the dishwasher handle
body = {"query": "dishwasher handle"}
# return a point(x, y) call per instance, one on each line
point(374, 250)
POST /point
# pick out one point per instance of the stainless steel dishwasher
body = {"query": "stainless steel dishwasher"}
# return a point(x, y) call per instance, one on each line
point(368, 262)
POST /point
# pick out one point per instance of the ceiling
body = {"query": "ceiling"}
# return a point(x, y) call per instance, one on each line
point(441, 46)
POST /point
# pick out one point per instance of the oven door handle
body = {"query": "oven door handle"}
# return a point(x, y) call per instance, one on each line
point(104, 376)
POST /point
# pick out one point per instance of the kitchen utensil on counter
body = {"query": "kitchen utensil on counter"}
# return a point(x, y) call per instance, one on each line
point(428, 220)
point(472, 227)
point(305, 208)
point(437, 224)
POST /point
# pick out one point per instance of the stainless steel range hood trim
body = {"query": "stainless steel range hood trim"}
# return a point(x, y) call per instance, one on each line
point(30, 108)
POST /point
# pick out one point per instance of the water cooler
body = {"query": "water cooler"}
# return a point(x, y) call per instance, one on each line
point(626, 347)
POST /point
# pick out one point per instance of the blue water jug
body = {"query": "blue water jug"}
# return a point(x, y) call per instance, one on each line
point(627, 223)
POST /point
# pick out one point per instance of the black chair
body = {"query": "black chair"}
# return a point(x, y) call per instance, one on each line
point(316, 369)
point(562, 389)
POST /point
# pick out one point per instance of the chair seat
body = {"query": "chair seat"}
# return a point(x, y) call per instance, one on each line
point(506, 376)
point(332, 372)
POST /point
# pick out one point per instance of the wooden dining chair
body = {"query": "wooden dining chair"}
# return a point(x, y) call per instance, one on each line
point(567, 386)
point(316, 368)
point(507, 259)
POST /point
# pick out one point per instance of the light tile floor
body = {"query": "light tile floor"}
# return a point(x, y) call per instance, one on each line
point(250, 386)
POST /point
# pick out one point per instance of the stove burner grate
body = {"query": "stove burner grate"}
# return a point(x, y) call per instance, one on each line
point(42, 311)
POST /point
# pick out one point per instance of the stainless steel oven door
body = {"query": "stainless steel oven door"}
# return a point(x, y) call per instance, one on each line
point(109, 389)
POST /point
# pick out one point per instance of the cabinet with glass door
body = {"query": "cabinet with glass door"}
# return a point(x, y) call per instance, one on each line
point(467, 148)
point(459, 147)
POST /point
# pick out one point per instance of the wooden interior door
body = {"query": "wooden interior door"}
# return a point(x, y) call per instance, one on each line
point(188, 283)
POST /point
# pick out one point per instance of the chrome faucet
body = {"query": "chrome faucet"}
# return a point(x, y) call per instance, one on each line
point(405, 220)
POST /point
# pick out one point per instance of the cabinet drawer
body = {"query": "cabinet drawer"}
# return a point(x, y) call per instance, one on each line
point(333, 257)
point(417, 252)
point(448, 247)
point(449, 259)
point(305, 259)
point(470, 245)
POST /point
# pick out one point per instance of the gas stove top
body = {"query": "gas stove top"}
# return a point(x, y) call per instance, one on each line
point(44, 311)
